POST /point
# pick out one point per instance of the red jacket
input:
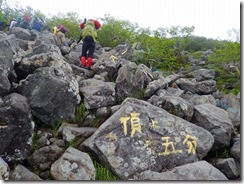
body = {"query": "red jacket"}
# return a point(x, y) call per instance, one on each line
point(96, 23)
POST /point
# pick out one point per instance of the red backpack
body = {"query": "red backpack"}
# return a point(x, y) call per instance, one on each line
point(97, 24)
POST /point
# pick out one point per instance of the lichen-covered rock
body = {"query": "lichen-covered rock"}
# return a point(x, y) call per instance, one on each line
point(196, 171)
point(140, 136)
point(73, 165)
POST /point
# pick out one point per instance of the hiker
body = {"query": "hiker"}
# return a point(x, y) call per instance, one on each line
point(18, 21)
point(88, 36)
point(3, 25)
point(13, 23)
point(25, 22)
point(37, 23)
point(59, 31)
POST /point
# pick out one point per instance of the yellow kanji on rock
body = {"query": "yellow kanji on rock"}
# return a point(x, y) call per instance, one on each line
point(114, 58)
point(153, 124)
point(191, 142)
point(124, 120)
point(111, 137)
point(168, 144)
point(135, 123)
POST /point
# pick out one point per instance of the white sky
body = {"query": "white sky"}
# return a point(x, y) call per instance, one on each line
point(211, 18)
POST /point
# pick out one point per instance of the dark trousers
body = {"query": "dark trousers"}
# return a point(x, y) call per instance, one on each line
point(88, 45)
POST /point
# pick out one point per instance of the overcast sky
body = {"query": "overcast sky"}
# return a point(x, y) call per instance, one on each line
point(211, 18)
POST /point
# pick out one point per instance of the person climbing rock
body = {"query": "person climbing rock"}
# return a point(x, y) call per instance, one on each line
point(88, 36)
point(59, 31)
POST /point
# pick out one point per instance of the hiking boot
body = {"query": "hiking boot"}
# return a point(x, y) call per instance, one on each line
point(83, 61)
point(89, 62)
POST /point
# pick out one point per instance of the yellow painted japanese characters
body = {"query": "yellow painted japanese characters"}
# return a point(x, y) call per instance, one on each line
point(124, 120)
point(164, 146)
point(168, 145)
point(134, 121)
point(111, 137)
point(191, 143)
point(153, 125)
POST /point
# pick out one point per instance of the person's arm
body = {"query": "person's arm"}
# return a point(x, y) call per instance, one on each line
point(79, 39)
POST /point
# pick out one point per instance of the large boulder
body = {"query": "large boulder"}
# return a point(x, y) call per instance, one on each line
point(97, 93)
point(140, 137)
point(202, 88)
point(216, 121)
point(51, 93)
point(17, 128)
point(132, 80)
point(7, 50)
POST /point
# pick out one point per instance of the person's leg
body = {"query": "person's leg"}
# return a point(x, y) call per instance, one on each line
point(62, 38)
point(91, 50)
point(59, 35)
point(84, 54)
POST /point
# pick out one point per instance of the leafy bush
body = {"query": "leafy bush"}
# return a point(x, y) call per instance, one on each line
point(226, 61)
point(114, 32)
point(229, 53)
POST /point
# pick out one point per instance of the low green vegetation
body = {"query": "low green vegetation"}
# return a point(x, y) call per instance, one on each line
point(222, 154)
point(80, 113)
point(55, 126)
point(34, 141)
point(74, 142)
point(226, 61)
point(103, 173)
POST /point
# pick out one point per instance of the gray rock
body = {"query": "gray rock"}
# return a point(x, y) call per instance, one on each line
point(179, 107)
point(202, 99)
point(70, 133)
point(216, 121)
point(52, 95)
point(204, 74)
point(17, 127)
point(22, 33)
point(132, 80)
point(140, 137)
point(154, 86)
point(202, 88)
point(97, 93)
point(4, 170)
point(235, 150)
point(197, 171)
point(227, 166)
point(73, 165)
point(22, 173)
point(44, 157)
